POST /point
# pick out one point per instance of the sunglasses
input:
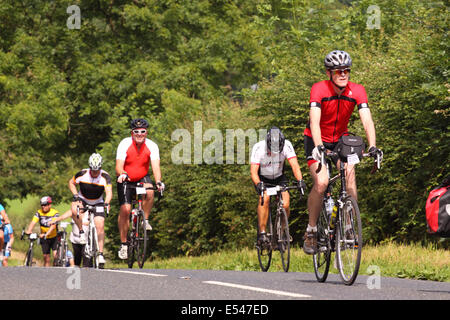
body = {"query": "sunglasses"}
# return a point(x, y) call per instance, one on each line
point(340, 71)
point(139, 131)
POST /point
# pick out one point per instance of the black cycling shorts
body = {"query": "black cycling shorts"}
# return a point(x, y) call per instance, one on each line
point(309, 146)
point(281, 180)
point(48, 244)
point(131, 192)
point(96, 214)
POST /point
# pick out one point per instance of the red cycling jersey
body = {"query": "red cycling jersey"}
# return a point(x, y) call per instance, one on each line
point(137, 160)
point(336, 110)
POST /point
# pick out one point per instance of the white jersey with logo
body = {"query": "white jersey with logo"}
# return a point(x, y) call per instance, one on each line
point(270, 164)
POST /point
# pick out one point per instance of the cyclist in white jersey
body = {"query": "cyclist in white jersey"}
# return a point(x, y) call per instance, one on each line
point(267, 166)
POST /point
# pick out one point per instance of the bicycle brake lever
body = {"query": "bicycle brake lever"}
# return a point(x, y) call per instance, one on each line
point(322, 160)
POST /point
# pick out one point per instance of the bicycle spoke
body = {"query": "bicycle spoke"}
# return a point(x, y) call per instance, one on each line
point(322, 258)
point(349, 241)
point(141, 240)
point(283, 239)
point(264, 250)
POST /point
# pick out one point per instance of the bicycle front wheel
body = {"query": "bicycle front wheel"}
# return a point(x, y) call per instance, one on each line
point(141, 248)
point(284, 243)
point(349, 241)
point(29, 258)
point(265, 249)
point(93, 244)
point(131, 248)
point(59, 261)
point(322, 258)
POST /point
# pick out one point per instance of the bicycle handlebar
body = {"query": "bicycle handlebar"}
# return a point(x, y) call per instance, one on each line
point(31, 236)
point(92, 207)
point(330, 154)
point(140, 185)
point(280, 188)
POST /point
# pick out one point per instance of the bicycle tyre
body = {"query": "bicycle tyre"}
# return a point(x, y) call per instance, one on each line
point(265, 250)
point(322, 258)
point(283, 237)
point(349, 241)
point(93, 243)
point(141, 243)
point(59, 255)
point(131, 249)
point(29, 258)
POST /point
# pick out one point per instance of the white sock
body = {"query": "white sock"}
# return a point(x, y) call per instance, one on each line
point(311, 229)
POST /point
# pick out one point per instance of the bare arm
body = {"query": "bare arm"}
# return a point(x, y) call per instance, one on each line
point(73, 187)
point(156, 170)
point(295, 168)
point(30, 227)
point(369, 127)
point(254, 168)
point(5, 217)
point(108, 192)
point(314, 123)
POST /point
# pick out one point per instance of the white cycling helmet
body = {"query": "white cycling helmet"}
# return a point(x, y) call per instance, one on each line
point(46, 200)
point(95, 161)
point(338, 59)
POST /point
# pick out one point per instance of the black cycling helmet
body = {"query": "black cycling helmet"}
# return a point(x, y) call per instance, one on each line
point(138, 123)
point(275, 140)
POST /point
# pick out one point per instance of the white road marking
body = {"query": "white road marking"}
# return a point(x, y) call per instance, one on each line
point(277, 292)
point(139, 273)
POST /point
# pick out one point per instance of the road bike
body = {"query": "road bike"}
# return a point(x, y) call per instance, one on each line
point(32, 237)
point(339, 227)
point(62, 247)
point(91, 250)
point(277, 231)
point(137, 238)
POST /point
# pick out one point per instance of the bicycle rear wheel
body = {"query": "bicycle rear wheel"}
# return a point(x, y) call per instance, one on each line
point(284, 243)
point(265, 249)
point(349, 241)
point(322, 258)
point(141, 243)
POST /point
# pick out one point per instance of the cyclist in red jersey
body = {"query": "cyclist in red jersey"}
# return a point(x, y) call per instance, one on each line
point(331, 105)
point(134, 156)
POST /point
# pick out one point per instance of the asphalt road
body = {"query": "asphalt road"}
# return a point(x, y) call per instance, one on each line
point(22, 283)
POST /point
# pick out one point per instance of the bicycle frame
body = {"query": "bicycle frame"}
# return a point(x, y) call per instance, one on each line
point(278, 234)
point(345, 235)
point(91, 249)
point(32, 237)
point(137, 233)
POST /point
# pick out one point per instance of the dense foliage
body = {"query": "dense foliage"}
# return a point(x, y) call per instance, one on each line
point(67, 92)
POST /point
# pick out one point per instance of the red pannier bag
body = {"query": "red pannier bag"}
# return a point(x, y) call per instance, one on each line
point(438, 211)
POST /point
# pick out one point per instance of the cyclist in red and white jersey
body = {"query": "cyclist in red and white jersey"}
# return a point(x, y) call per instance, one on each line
point(267, 166)
point(332, 103)
point(134, 156)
